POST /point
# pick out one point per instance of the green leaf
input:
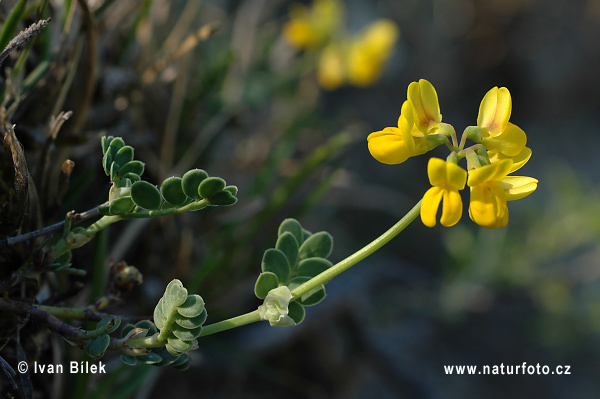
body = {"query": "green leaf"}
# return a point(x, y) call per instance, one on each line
point(96, 347)
point(287, 244)
point(172, 191)
point(210, 186)
point(266, 282)
point(222, 198)
point(167, 358)
point(185, 334)
point(292, 226)
point(296, 312)
point(150, 358)
point(148, 325)
point(121, 206)
point(191, 183)
point(135, 167)
point(232, 189)
point(107, 161)
point(193, 322)
point(105, 142)
point(124, 155)
point(192, 307)
point(129, 360)
point(115, 145)
point(318, 245)
point(109, 323)
point(176, 346)
point(312, 297)
point(275, 261)
point(310, 267)
point(174, 296)
point(145, 195)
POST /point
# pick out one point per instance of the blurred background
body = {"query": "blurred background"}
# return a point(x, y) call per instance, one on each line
point(215, 85)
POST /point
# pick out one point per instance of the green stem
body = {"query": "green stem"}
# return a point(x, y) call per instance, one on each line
point(359, 255)
point(234, 322)
point(100, 224)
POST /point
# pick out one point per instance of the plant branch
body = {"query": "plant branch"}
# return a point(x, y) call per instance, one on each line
point(359, 255)
point(78, 217)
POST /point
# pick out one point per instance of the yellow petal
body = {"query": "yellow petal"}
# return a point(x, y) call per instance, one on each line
point(451, 208)
point(369, 51)
point(518, 161)
point(456, 177)
point(517, 187)
point(424, 99)
point(331, 71)
point(492, 172)
point(495, 110)
point(510, 142)
point(388, 146)
point(488, 207)
point(436, 170)
point(430, 204)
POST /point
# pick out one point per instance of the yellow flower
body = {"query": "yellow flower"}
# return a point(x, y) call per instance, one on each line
point(331, 69)
point(447, 179)
point(394, 145)
point(498, 134)
point(424, 100)
point(311, 28)
point(491, 188)
point(369, 51)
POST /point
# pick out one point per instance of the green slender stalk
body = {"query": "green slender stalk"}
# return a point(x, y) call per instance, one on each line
point(359, 255)
point(105, 221)
point(327, 275)
point(234, 322)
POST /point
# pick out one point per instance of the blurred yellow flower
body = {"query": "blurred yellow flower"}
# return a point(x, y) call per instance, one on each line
point(313, 27)
point(331, 70)
point(370, 50)
point(491, 188)
point(447, 179)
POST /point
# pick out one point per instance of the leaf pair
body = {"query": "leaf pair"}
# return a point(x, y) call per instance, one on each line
point(298, 256)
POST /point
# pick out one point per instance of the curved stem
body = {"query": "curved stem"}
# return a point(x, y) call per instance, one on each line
point(234, 322)
point(359, 255)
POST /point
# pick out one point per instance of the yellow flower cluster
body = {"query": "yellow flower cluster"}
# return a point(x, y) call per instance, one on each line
point(499, 150)
point(357, 60)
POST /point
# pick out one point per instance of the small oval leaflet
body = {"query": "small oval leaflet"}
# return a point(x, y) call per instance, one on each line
point(287, 244)
point(296, 312)
point(124, 155)
point(135, 167)
point(192, 307)
point(276, 262)
point(266, 282)
point(223, 198)
point(172, 191)
point(121, 206)
point(317, 245)
point(311, 267)
point(96, 347)
point(191, 322)
point(294, 227)
point(145, 195)
point(210, 186)
point(191, 183)
point(186, 334)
